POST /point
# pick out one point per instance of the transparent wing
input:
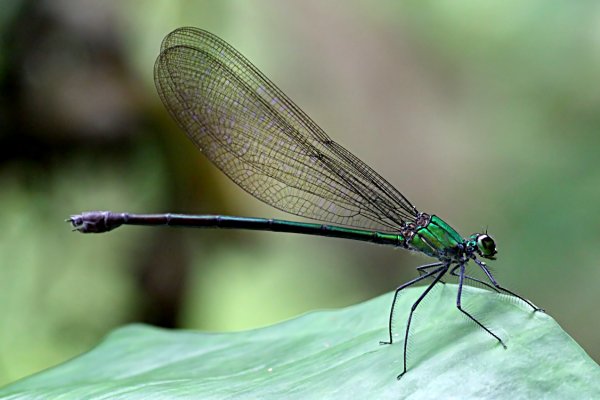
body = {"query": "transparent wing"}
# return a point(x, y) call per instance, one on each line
point(259, 138)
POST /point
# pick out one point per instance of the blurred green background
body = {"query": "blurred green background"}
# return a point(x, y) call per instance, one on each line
point(485, 113)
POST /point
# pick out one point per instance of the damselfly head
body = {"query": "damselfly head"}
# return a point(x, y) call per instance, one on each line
point(486, 247)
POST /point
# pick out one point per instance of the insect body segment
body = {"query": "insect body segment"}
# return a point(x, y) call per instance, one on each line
point(435, 238)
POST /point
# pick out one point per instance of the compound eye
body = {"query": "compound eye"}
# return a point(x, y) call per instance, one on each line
point(486, 246)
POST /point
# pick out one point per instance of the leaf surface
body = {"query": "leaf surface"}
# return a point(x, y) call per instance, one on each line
point(336, 354)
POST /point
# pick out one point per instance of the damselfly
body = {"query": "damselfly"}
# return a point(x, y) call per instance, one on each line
point(267, 145)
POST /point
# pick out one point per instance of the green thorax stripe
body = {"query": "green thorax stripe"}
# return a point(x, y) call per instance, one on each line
point(434, 238)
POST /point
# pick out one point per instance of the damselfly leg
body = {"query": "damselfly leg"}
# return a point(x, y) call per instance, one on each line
point(461, 278)
point(487, 272)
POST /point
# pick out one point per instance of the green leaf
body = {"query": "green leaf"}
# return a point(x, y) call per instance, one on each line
point(336, 354)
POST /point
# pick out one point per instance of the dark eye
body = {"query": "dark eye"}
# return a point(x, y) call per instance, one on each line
point(488, 243)
point(486, 246)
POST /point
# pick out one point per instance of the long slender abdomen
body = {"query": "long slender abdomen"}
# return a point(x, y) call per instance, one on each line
point(104, 221)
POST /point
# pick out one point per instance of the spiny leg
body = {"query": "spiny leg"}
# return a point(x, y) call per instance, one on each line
point(461, 278)
point(440, 272)
point(471, 278)
point(497, 285)
point(404, 286)
point(423, 269)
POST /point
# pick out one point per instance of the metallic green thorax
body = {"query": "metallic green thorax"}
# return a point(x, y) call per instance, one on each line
point(435, 238)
